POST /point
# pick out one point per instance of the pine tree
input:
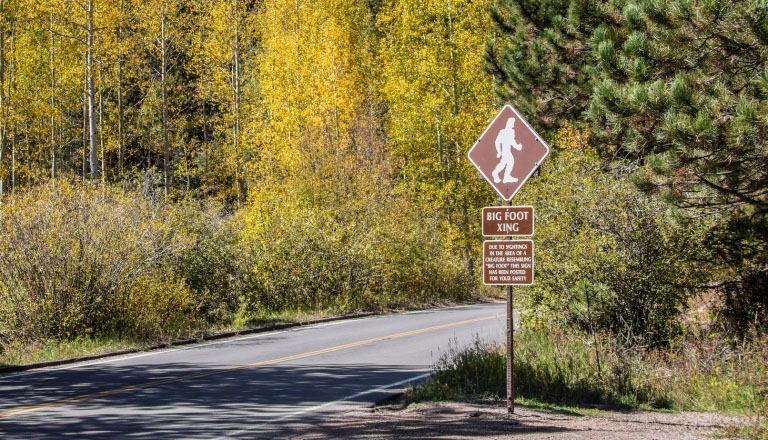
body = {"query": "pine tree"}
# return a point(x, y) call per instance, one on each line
point(675, 92)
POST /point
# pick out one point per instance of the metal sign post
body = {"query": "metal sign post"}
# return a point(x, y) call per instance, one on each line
point(511, 343)
point(507, 153)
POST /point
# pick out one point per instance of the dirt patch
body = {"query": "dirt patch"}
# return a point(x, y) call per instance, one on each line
point(490, 421)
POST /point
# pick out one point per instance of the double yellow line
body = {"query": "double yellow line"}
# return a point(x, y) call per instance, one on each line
point(131, 388)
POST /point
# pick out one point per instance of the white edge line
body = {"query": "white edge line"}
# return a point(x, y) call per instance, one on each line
point(538, 164)
point(324, 405)
point(206, 344)
point(171, 350)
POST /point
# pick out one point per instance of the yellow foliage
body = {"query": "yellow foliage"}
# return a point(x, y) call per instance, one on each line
point(310, 79)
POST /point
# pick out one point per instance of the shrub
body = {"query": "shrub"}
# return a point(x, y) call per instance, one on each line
point(742, 244)
point(208, 259)
point(91, 260)
point(346, 244)
point(609, 258)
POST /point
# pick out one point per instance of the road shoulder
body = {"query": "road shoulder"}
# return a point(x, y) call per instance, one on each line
point(489, 420)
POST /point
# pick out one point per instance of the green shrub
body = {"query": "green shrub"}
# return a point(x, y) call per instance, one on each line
point(80, 261)
point(742, 243)
point(209, 259)
point(366, 249)
point(609, 258)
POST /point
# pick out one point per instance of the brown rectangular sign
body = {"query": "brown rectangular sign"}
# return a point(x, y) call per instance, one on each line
point(508, 262)
point(507, 220)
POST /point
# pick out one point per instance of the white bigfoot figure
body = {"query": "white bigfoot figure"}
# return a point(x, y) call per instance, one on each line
point(505, 141)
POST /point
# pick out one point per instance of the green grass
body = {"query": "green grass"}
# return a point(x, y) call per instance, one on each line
point(558, 370)
point(571, 410)
point(52, 350)
point(757, 430)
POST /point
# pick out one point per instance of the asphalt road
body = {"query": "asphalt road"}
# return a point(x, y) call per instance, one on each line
point(258, 386)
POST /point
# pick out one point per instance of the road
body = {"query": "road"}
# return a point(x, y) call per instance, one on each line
point(258, 386)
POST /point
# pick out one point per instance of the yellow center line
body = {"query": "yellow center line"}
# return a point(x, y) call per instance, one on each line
point(131, 388)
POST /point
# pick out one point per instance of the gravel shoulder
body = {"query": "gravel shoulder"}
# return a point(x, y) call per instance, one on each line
point(488, 420)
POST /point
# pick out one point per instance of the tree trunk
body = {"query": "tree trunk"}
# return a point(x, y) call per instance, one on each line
point(455, 108)
point(166, 147)
point(13, 160)
point(443, 177)
point(92, 97)
point(236, 122)
point(3, 104)
point(205, 134)
point(120, 93)
point(11, 93)
point(101, 130)
point(85, 115)
point(53, 101)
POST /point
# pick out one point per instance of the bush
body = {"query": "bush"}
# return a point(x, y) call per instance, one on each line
point(345, 243)
point(609, 258)
point(741, 244)
point(79, 261)
point(208, 259)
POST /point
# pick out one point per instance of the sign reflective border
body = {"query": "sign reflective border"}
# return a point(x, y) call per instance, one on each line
point(507, 220)
point(508, 262)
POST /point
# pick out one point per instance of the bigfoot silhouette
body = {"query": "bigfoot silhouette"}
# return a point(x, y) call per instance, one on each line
point(505, 141)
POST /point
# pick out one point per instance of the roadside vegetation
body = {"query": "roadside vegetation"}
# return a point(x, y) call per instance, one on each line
point(89, 268)
point(208, 165)
point(561, 369)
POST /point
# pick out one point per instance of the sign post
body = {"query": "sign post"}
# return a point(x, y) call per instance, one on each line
point(510, 351)
point(507, 153)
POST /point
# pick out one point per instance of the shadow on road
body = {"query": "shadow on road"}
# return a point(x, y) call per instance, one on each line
point(214, 404)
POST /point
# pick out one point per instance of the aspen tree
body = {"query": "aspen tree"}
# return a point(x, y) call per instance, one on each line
point(90, 35)
point(224, 48)
point(3, 101)
point(440, 100)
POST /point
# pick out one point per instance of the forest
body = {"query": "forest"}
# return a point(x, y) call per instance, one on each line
point(174, 167)
point(233, 158)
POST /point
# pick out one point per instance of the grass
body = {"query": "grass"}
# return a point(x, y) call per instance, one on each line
point(263, 319)
point(558, 370)
point(753, 431)
point(571, 410)
point(52, 350)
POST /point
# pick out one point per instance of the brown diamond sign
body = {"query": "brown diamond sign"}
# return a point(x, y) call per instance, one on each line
point(508, 152)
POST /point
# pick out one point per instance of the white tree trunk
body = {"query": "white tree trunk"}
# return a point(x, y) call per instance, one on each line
point(120, 93)
point(92, 97)
point(163, 79)
point(53, 101)
point(236, 119)
point(3, 111)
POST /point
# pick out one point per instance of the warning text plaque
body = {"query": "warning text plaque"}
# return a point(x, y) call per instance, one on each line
point(508, 262)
